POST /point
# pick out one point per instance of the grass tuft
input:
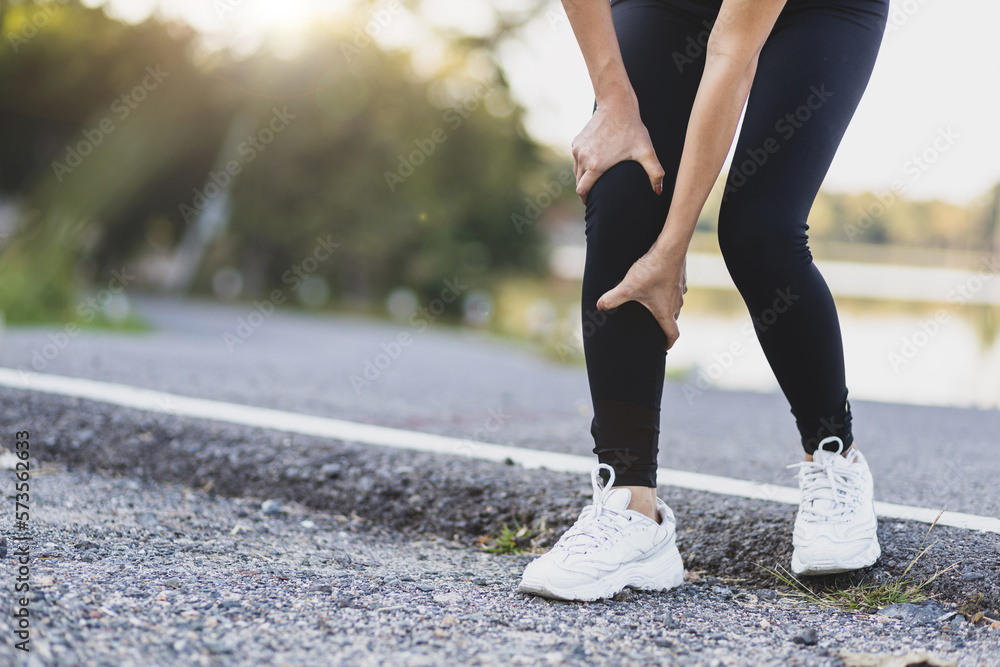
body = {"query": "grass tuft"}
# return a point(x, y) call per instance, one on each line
point(869, 596)
point(515, 540)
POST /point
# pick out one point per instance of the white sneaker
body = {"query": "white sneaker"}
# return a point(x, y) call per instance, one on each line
point(608, 548)
point(835, 528)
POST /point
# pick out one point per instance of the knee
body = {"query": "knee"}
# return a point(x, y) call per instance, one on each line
point(622, 200)
point(755, 237)
point(622, 181)
point(740, 242)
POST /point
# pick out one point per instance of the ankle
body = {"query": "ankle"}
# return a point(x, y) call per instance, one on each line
point(845, 454)
point(643, 501)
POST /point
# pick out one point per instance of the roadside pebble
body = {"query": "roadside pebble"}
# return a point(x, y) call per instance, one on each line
point(806, 637)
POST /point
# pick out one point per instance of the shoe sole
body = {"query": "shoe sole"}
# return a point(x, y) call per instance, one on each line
point(666, 566)
point(865, 559)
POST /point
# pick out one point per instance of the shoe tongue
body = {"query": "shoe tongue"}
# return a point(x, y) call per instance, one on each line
point(618, 499)
point(825, 500)
point(832, 458)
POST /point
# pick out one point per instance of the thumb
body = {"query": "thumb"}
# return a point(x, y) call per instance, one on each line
point(613, 298)
point(653, 170)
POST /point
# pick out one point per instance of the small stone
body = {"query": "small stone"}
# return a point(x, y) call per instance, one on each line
point(426, 588)
point(918, 613)
point(330, 470)
point(147, 519)
point(806, 637)
point(623, 595)
point(722, 591)
point(218, 647)
point(716, 635)
point(271, 507)
point(663, 642)
point(321, 588)
point(664, 617)
point(447, 598)
point(970, 574)
point(307, 524)
point(345, 601)
point(86, 544)
point(767, 594)
point(479, 581)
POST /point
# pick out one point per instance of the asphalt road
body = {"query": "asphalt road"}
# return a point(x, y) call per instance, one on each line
point(474, 385)
point(153, 546)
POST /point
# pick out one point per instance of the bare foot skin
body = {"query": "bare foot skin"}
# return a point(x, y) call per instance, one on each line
point(643, 501)
point(809, 457)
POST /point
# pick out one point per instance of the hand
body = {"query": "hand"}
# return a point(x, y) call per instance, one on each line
point(658, 281)
point(613, 134)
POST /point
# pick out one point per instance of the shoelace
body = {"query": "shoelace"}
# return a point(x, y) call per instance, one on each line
point(825, 481)
point(595, 525)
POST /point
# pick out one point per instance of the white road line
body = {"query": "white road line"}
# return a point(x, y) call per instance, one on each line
point(338, 429)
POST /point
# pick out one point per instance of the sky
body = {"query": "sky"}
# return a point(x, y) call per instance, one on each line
point(937, 76)
point(938, 68)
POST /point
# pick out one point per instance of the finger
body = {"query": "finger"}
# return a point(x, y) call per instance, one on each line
point(671, 331)
point(586, 182)
point(613, 298)
point(653, 169)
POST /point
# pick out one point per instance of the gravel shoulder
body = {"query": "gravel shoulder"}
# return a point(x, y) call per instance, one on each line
point(129, 572)
point(152, 547)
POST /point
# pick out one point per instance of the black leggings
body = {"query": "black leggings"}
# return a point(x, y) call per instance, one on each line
point(810, 76)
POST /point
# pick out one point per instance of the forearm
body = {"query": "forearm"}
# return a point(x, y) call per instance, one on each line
point(595, 33)
point(715, 114)
point(730, 64)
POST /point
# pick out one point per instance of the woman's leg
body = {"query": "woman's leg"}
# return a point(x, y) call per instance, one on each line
point(626, 349)
point(811, 74)
point(627, 536)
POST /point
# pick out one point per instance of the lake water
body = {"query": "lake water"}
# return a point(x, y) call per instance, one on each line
point(898, 358)
point(911, 334)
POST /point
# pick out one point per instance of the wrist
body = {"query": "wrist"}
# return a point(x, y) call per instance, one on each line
point(618, 94)
point(670, 244)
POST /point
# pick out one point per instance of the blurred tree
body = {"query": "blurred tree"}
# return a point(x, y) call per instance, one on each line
point(413, 191)
point(415, 179)
point(97, 122)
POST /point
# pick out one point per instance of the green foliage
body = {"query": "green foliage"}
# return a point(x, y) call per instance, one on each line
point(62, 84)
point(413, 193)
point(334, 173)
point(508, 541)
point(415, 178)
point(866, 596)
